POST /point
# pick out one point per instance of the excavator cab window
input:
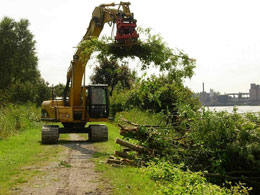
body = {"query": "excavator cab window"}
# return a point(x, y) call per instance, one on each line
point(98, 101)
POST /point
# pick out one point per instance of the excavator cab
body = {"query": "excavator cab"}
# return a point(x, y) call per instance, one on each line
point(98, 101)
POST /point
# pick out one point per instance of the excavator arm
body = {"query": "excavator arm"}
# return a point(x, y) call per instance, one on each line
point(125, 34)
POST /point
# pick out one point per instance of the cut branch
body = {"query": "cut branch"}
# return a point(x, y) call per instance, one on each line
point(132, 146)
point(113, 161)
point(123, 155)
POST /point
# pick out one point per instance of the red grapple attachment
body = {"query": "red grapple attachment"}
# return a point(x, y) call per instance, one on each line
point(126, 34)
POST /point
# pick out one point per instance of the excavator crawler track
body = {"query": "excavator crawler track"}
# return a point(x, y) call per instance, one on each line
point(98, 133)
point(50, 134)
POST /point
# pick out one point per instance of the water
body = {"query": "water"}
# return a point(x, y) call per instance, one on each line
point(240, 109)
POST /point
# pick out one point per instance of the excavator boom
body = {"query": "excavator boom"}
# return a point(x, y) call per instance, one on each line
point(125, 36)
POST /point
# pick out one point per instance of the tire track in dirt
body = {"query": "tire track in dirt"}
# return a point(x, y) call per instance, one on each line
point(73, 174)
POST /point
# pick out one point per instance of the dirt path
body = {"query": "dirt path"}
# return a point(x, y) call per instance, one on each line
point(73, 174)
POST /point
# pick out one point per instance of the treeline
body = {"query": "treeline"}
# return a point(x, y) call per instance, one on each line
point(21, 85)
point(20, 79)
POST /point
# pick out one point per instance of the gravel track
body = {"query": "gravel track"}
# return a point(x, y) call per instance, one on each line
point(73, 174)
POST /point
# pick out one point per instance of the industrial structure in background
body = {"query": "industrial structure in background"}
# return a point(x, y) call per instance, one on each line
point(230, 99)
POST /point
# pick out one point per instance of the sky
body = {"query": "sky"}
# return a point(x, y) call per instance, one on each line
point(222, 35)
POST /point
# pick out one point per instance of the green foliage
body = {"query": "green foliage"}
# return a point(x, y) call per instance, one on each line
point(226, 142)
point(151, 51)
point(157, 95)
point(18, 61)
point(139, 117)
point(202, 140)
point(20, 80)
point(59, 90)
point(111, 73)
point(119, 102)
point(172, 179)
point(15, 118)
point(28, 92)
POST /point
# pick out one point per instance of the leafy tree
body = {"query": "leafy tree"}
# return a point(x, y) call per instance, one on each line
point(29, 92)
point(111, 73)
point(18, 60)
point(59, 89)
point(20, 79)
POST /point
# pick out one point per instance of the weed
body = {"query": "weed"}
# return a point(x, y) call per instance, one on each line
point(64, 164)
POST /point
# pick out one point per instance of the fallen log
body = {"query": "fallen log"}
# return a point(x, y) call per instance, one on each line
point(111, 157)
point(123, 155)
point(113, 161)
point(126, 161)
point(132, 146)
point(127, 130)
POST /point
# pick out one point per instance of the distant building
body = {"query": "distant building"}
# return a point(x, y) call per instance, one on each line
point(222, 99)
point(216, 99)
point(254, 92)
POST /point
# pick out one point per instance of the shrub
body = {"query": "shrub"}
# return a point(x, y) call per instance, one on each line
point(15, 118)
point(227, 141)
point(119, 102)
point(24, 92)
point(172, 179)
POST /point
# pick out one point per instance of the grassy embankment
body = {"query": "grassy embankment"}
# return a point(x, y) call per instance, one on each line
point(21, 151)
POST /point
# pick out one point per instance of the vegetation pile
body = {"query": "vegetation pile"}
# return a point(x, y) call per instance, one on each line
point(218, 146)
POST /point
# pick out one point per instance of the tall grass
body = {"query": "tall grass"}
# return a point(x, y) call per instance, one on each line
point(140, 117)
point(16, 118)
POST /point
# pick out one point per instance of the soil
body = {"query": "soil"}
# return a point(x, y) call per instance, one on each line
point(73, 174)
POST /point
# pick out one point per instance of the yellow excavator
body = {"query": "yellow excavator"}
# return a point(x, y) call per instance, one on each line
point(80, 103)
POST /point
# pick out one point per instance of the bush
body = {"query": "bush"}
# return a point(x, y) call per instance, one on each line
point(226, 141)
point(25, 92)
point(156, 95)
point(172, 179)
point(119, 102)
point(15, 118)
